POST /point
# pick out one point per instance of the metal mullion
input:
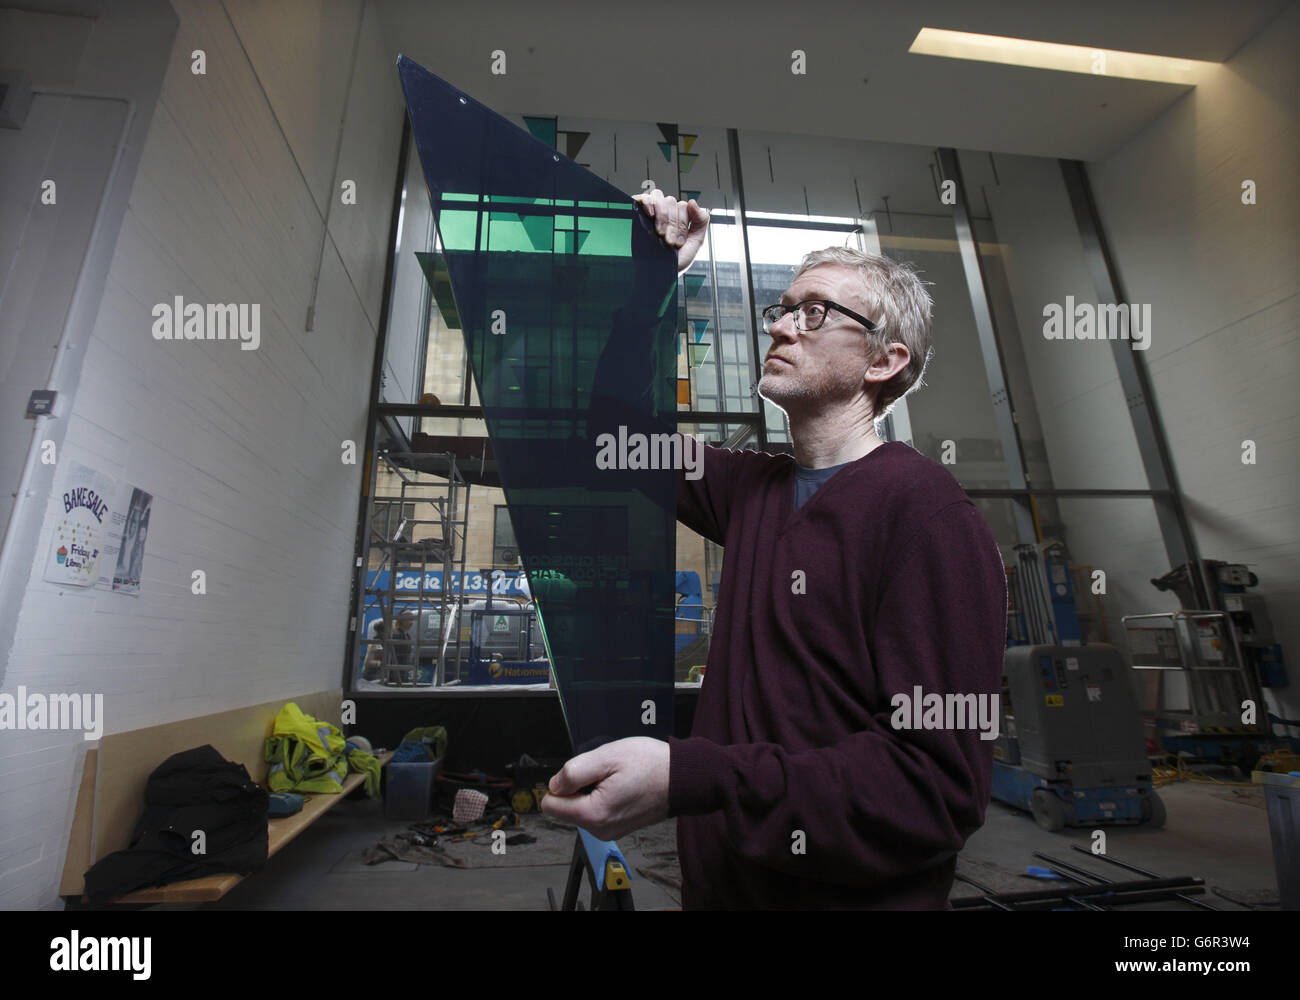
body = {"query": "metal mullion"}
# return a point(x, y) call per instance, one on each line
point(746, 274)
point(1013, 454)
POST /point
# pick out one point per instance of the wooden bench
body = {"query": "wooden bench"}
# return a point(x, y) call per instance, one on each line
point(110, 798)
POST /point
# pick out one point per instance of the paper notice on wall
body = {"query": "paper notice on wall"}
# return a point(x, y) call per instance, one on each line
point(81, 527)
point(116, 521)
point(130, 555)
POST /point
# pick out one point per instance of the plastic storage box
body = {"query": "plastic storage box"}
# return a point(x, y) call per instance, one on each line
point(408, 789)
point(1282, 800)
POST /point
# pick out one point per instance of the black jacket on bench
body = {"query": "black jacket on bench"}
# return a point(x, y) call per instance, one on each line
point(193, 790)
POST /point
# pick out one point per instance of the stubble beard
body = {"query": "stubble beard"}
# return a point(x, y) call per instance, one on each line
point(796, 386)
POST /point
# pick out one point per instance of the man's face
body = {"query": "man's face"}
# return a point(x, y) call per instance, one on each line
point(826, 364)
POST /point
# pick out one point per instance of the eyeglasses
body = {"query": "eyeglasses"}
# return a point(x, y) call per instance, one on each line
point(810, 314)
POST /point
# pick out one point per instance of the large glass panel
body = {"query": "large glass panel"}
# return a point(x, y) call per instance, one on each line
point(1074, 419)
point(566, 299)
point(776, 245)
point(699, 566)
point(446, 376)
point(412, 582)
point(405, 345)
point(1119, 536)
point(718, 341)
point(1103, 551)
point(807, 193)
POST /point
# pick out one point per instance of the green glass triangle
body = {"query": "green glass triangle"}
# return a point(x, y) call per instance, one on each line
point(542, 128)
point(687, 160)
point(694, 282)
point(539, 229)
point(699, 353)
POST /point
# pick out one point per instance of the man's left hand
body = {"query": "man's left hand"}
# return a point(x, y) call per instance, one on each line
point(631, 788)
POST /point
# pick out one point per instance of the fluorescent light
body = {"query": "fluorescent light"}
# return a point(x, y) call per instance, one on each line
point(1055, 56)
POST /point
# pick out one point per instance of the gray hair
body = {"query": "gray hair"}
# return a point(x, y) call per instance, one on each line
point(898, 304)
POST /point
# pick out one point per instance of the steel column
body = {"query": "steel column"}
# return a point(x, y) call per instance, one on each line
point(1013, 454)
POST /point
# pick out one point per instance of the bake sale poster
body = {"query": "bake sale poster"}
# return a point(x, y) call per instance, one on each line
point(81, 527)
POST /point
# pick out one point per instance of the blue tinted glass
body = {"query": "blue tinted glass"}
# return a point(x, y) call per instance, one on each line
point(567, 302)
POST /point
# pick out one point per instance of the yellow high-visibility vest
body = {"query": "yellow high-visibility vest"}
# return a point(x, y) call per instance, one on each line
point(305, 754)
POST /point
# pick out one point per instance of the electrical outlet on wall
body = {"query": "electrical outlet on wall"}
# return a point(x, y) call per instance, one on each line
point(15, 98)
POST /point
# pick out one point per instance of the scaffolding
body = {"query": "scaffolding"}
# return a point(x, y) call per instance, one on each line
point(418, 526)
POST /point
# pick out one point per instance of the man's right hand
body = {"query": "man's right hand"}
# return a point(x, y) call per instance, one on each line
point(680, 224)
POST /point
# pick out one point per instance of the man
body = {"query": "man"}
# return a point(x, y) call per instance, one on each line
point(856, 571)
point(373, 663)
point(399, 651)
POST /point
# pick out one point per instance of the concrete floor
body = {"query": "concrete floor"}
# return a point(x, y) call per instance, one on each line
point(1224, 842)
point(1207, 836)
point(320, 871)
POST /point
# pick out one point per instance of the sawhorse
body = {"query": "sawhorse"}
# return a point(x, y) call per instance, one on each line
point(606, 871)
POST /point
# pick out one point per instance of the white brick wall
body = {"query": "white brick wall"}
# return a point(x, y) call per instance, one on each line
point(241, 449)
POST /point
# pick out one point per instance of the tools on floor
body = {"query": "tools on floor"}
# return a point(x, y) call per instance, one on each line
point(1088, 890)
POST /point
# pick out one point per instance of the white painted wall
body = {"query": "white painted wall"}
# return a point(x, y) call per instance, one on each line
point(1223, 280)
point(61, 256)
point(241, 449)
point(52, 238)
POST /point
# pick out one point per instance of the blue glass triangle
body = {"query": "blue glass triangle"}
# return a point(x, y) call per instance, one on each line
point(575, 388)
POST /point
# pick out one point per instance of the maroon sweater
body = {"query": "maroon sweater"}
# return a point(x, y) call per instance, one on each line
point(904, 587)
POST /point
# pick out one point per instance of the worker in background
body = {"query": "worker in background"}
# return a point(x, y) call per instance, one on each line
point(856, 570)
point(370, 669)
point(399, 650)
